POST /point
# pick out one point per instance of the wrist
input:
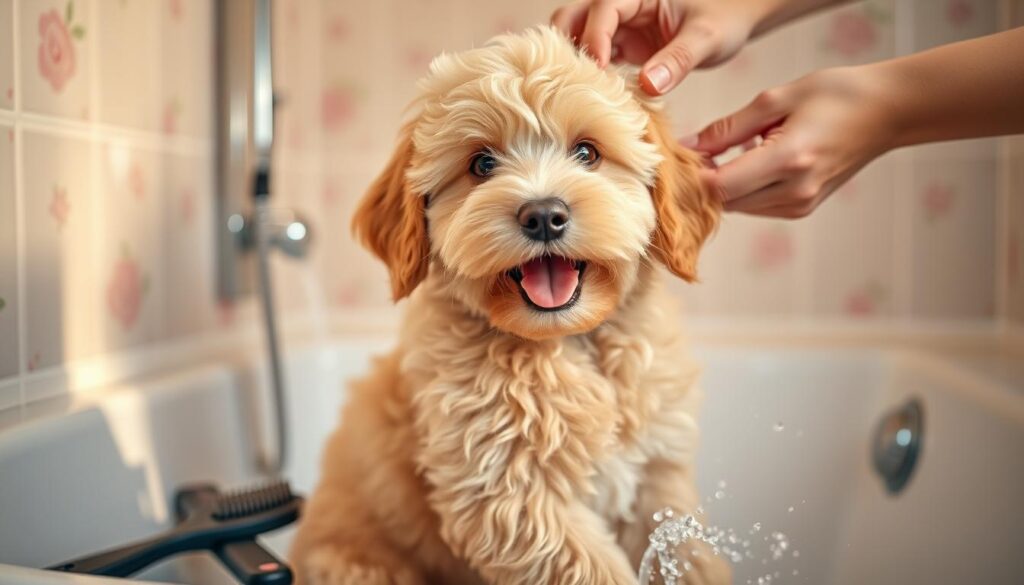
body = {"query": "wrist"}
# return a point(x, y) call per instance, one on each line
point(771, 14)
point(765, 15)
point(889, 99)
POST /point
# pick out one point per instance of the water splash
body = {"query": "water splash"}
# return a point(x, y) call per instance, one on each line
point(661, 557)
point(669, 534)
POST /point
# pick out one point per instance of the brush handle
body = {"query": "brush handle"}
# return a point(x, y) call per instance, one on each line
point(123, 561)
point(252, 564)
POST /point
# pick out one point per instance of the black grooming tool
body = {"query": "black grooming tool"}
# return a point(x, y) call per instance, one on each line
point(226, 524)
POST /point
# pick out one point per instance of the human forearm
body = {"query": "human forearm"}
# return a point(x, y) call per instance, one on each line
point(969, 89)
point(771, 14)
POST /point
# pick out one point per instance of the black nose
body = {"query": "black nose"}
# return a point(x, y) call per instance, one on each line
point(544, 219)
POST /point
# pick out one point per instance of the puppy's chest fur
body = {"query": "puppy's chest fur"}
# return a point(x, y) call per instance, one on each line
point(583, 415)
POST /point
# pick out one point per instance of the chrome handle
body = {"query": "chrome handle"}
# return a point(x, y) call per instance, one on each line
point(285, 230)
point(897, 445)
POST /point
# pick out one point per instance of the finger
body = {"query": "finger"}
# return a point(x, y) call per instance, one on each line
point(775, 195)
point(602, 21)
point(570, 18)
point(674, 61)
point(634, 46)
point(758, 117)
point(789, 199)
point(783, 211)
point(749, 172)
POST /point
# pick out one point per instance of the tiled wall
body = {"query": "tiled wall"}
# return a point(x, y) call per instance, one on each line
point(106, 200)
point(105, 182)
point(909, 239)
point(1012, 213)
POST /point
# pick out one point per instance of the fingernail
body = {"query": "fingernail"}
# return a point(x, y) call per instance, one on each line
point(690, 141)
point(658, 76)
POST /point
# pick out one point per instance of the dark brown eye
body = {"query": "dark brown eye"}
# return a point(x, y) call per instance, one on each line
point(483, 165)
point(586, 153)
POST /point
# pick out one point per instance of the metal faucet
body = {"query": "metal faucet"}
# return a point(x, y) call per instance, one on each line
point(248, 226)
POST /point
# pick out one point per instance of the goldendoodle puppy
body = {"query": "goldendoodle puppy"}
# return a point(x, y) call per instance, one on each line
point(540, 405)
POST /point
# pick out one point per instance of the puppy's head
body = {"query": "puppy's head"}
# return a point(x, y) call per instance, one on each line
point(538, 186)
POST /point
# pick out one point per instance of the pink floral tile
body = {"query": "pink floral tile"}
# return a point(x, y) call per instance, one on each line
point(9, 332)
point(358, 102)
point(350, 276)
point(768, 61)
point(937, 22)
point(859, 33)
point(56, 69)
point(184, 100)
point(471, 24)
point(853, 239)
point(60, 251)
point(6, 54)
point(297, 282)
point(751, 267)
point(299, 61)
point(129, 268)
point(130, 81)
point(1013, 252)
point(188, 245)
point(953, 243)
point(340, 105)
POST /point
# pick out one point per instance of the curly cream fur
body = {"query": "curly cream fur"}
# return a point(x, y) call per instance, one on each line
point(497, 444)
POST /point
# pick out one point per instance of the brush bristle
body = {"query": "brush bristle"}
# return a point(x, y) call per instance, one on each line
point(245, 502)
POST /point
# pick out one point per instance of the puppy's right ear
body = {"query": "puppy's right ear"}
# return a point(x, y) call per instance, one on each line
point(391, 222)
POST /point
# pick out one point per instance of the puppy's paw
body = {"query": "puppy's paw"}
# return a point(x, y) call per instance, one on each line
point(329, 565)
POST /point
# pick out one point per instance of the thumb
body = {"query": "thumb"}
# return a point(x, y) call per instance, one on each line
point(766, 111)
point(684, 53)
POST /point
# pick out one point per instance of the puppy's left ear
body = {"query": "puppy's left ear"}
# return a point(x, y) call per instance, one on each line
point(687, 210)
point(391, 222)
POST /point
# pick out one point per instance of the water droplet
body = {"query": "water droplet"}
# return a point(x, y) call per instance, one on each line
point(721, 484)
point(778, 427)
point(719, 495)
point(796, 554)
point(790, 509)
point(756, 526)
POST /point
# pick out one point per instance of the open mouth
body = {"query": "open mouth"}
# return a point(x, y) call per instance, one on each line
point(549, 283)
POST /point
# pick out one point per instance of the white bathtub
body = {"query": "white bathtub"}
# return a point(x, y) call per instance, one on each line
point(783, 427)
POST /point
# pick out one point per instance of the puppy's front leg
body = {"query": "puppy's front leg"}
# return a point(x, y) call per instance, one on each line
point(507, 493)
point(524, 533)
point(670, 484)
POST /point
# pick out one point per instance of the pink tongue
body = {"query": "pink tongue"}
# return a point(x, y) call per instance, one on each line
point(549, 282)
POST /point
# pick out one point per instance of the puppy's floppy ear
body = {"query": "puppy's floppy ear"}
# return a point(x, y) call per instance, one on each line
point(687, 211)
point(391, 222)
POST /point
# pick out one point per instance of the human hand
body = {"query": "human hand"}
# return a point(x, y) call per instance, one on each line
point(815, 134)
point(669, 38)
